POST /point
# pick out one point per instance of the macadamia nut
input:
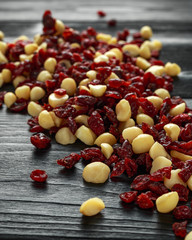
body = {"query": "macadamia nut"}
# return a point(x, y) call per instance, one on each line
point(167, 202)
point(142, 143)
point(92, 206)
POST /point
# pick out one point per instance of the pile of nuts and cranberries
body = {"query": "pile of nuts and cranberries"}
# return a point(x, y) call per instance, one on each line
point(113, 95)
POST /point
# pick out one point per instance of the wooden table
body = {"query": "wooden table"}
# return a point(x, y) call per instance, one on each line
point(51, 211)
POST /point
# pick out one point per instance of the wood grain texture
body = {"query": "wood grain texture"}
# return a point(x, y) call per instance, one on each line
point(51, 211)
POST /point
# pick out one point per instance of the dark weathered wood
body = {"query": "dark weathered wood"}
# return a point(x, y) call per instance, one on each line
point(51, 211)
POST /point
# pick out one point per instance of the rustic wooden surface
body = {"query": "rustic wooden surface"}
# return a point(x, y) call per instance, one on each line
point(51, 211)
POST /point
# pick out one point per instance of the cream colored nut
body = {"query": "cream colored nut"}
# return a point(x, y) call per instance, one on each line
point(110, 54)
point(86, 135)
point(132, 49)
point(160, 162)
point(189, 183)
point(30, 48)
point(167, 202)
point(23, 92)
point(189, 236)
point(118, 53)
point(43, 46)
point(56, 100)
point(44, 76)
point(157, 45)
point(106, 149)
point(97, 54)
point(57, 121)
point(24, 57)
point(105, 138)
point(181, 156)
point(113, 40)
point(142, 143)
point(96, 172)
point(64, 136)
point(123, 125)
point(9, 99)
point(123, 110)
point(101, 58)
point(145, 51)
point(178, 109)
point(156, 101)
point(142, 63)
point(18, 80)
point(45, 120)
point(82, 119)
point(85, 82)
point(97, 90)
point(140, 118)
point(156, 70)
point(59, 26)
point(1, 80)
point(146, 32)
point(131, 133)
point(69, 85)
point(103, 37)
point(37, 93)
point(162, 93)
point(92, 206)
point(50, 64)
point(3, 59)
point(172, 69)
point(75, 45)
point(34, 109)
point(21, 37)
point(172, 130)
point(148, 44)
point(38, 39)
point(157, 150)
point(91, 74)
point(3, 47)
point(1, 35)
point(6, 75)
point(174, 179)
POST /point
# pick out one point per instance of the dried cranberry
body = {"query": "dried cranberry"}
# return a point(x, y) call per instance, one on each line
point(141, 182)
point(112, 22)
point(96, 123)
point(101, 13)
point(131, 167)
point(182, 191)
point(60, 91)
point(72, 124)
point(83, 100)
point(180, 229)
point(186, 171)
point(65, 111)
point(160, 174)
point(92, 154)
point(125, 150)
point(111, 160)
point(38, 175)
point(69, 161)
point(19, 106)
point(118, 169)
point(177, 163)
point(144, 201)
point(128, 197)
point(147, 107)
point(40, 140)
point(157, 188)
point(182, 212)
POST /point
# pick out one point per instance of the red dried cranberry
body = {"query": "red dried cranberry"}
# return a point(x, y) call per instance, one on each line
point(111, 160)
point(65, 111)
point(131, 167)
point(92, 154)
point(83, 100)
point(111, 115)
point(36, 129)
point(118, 169)
point(38, 175)
point(19, 106)
point(157, 188)
point(160, 174)
point(60, 91)
point(182, 191)
point(101, 13)
point(69, 161)
point(40, 140)
point(181, 119)
point(125, 150)
point(180, 229)
point(182, 212)
point(141, 182)
point(72, 124)
point(144, 201)
point(128, 197)
point(147, 107)
point(112, 23)
point(186, 171)
point(153, 196)
point(96, 123)
point(177, 163)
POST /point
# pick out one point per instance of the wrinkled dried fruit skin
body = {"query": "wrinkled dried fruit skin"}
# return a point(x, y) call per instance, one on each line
point(160, 174)
point(96, 123)
point(91, 154)
point(144, 201)
point(118, 169)
point(182, 191)
point(128, 197)
point(180, 229)
point(38, 175)
point(69, 161)
point(40, 140)
point(182, 212)
point(141, 182)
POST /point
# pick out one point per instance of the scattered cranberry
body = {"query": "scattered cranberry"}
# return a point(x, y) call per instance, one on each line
point(128, 197)
point(144, 201)
point(112, 23)
point(38, 175)
point(40, 140)
point(180, 229)
point(182, 212)
point(101, 13)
